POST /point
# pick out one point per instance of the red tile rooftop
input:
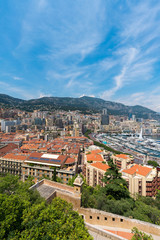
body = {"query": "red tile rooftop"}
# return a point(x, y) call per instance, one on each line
point(124, 156)
point(96, 151)
point(100, 166)
point(70, 161)
point(138, 169)
point(7, 148)
point(73, 151)
point(94, 157)
point(16, 156)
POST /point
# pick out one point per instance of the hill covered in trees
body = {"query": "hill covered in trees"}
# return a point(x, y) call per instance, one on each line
point(84, 104)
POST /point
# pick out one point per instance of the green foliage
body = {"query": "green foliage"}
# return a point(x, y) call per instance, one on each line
point(31, 164)
point(87, 133)
point(25, 215)
point(115, 185)
point(88, 196)
point(15, 197)
point(153, 163)
point(58, 179)
point(54, 174)
point(138, 235)
point(54, 221)
point(146, 212)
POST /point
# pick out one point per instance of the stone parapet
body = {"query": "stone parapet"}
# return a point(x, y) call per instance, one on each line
point(97, 217)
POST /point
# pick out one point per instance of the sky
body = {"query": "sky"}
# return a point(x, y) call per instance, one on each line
point(71, 48)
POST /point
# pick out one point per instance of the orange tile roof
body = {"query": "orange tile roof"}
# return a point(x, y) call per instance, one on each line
point(122, 156)
point(140, 170)
point(96, 151)
point(75, 137)
point(30, 146)
point(16, 156)
point(7, 148)
point(100, 166)
point(94, 157)
point(70, 161)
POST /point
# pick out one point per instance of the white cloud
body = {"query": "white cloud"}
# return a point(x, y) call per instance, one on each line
point(128, 58)
point(83, 95)
point(148, 99)
point(137, 51)
point(41, 95)
point(9, 89)
point(17, 78)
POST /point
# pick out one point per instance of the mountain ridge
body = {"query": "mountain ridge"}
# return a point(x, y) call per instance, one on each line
point(83, 104)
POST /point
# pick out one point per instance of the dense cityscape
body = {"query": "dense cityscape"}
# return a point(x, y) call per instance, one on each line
point(79, 120)
point(58, 146)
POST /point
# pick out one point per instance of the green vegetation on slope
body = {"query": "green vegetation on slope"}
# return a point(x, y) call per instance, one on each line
point(25, 215)
point(83, 104)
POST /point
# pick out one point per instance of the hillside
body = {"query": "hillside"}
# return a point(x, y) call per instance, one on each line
point(83, 104)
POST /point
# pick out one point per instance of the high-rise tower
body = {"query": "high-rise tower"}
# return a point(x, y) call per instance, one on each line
point(104, 117)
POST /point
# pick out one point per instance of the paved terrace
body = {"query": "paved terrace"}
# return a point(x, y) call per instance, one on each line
point(45, 191)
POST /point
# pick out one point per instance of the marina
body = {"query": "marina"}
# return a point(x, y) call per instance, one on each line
point(143, 148)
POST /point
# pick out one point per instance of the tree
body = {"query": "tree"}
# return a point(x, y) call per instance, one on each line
point(15, 197)
point(54, 174)
point(138, 235)
point(146, 212)
point(57, 220)
point(115, 185)
point(88, 196)
point(8, 184)
point(153, 163)
point(25, 215)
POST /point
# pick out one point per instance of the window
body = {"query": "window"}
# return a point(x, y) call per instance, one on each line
point(121, 220)
point(113, 219)
point(98, 217)
point(90, 217)
point(105, 218)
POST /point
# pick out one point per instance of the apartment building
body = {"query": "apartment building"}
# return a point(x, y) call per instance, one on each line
point(95, 173)
point(39, 165)
point(122, 161)
point(143, 180)
point(12, 163)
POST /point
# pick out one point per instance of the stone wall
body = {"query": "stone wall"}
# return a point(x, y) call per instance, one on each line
point(63, 191)
point(76, 201)
point(100, 232)
point(36, 185)
point(58, 185)
point(96, 217)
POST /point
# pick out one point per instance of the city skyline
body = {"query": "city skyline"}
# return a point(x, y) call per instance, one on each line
point(95, 48)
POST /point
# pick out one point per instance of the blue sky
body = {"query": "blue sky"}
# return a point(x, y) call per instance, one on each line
point(102, 48)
